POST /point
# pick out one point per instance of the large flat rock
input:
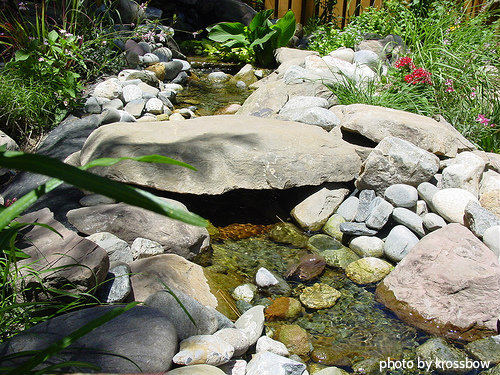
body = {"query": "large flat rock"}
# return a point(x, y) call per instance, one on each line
point(376, 123)
point(448, 285)
point(230, 152)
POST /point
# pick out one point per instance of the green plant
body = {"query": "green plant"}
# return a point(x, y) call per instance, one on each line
point(56, 53)
point(261, 36)
point(326, 38)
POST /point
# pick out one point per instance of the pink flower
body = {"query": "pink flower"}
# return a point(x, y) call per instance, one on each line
point(22, 6)
point(483, 120)
point(41, 59)
point(473, 93)
point(449, 84)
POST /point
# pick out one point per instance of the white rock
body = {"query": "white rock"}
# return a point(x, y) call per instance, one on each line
point(267, 344)
point(491, 238)
point(465, 173)
point(236, 338)
point(175, 87)
point(265, 278)
point(313, 212)
point(490, 181)
point(267, 363)
point(110, 89)
point(252, 323)
point(433, 221)
point(176, 117)
point(204, 349)
point(218, 77)
point(131, 92)
point(450, 203)
point(154, 106)
point(343, 53)
point(234, 367)
point(421, 208)
point(143, 248)
point(367, 246)
point(245, 292)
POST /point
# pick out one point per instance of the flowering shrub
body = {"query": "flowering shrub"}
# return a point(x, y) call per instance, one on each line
point(417, 75)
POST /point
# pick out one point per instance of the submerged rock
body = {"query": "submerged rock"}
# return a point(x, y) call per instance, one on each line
point(309, 267)
point(283, 308)
point(319, 296)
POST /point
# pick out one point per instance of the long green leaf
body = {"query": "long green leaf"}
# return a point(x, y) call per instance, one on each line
point(261, 19)
point(63, 343)
point(85, 180)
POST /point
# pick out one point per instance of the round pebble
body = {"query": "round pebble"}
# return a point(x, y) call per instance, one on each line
point(366, 246)
point(399, 242)
point(401, 195)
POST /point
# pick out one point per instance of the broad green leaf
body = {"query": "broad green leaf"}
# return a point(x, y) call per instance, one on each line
point(286, 26)
point(264, 38)
point(63, 172)
point(52, 36)
point(260, 19)
point(22, 55)
point(63, 343)
point(228, 30)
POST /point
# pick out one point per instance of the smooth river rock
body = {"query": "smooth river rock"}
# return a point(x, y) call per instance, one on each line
point(462, 304)
point(140, 338)
point(230, 152)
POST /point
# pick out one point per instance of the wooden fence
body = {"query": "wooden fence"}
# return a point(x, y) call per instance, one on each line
point(342, 10)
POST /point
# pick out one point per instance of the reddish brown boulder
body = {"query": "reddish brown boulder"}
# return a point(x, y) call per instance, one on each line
point(448, 285)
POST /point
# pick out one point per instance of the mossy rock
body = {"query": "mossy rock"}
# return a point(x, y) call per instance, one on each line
point(332, 226)
point(283, 308)
point(288, 233)
point(321, 242)
point(340, 258)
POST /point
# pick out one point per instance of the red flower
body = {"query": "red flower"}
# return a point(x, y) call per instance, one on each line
point(419, 75)
point(404, 61)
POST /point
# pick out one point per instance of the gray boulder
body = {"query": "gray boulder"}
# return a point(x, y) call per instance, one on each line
point(205, 319)
point(128, 223)
point(394, 161)
point(140, 339)
point(379, 212)
point(479, 219)
point(401, 195)
point(117, 286)
point(230, 152)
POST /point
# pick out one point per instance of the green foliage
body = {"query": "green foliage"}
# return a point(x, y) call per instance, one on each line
point(461, 53)
point(261, 36)
point(56, 53)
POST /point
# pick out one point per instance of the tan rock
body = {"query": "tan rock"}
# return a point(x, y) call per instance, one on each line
point(462, 304)
point(491, 201)
point(149, 276)
point(230, 152)
point(376, 123)
point(368, 270)
point(158, 69)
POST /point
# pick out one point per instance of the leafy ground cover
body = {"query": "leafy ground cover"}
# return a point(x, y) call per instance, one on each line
point(451, 67)
point(52, 49)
